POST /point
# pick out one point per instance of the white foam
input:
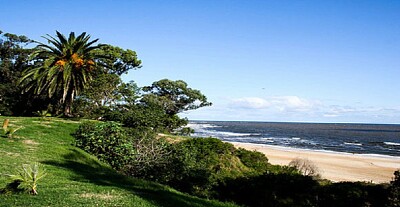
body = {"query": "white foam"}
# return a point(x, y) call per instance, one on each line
point(392, 143)
point(353, 143)
point(233, 134)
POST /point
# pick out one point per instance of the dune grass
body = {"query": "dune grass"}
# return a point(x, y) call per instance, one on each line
point(75, 178)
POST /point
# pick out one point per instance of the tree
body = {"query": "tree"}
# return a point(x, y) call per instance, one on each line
point(106, 90)
point(394, 190)
point(174, 96)
point(305, 167)
point(63, 68)
point(115, 60)
point(13, 60)
point(105, 93)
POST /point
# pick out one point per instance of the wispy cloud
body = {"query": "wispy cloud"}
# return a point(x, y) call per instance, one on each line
point(295, 108)
point(277, 103)
point(250, 103)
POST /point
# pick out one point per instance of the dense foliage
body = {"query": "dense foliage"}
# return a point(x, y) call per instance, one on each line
point(72, 76)
point(208, 167)
point(199, 165)
point(394, 190)
point(74, 177)
point(133, 152)
point(62, 68)
point(14, 56)
point(174, 96)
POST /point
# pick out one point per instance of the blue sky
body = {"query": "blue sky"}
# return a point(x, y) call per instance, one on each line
point(303, 61)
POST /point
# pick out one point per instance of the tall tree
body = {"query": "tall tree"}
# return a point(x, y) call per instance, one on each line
point(115, 60)
point(174, 96)
point(13, 60)
point(63, 67)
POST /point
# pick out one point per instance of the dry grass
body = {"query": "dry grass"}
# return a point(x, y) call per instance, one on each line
point(30, 142)
point(103, 196)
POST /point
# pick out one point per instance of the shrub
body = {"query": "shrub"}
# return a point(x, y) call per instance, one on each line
point(27, 177)
point(270, 189)
point(141, 116)
point(150, 155)
point(134, 152)
point(105, 140)
point(199, 164)
point(184, 131)
point(304, 166)
point(253, 159)
point(394, 190)
point(352, 194)
point(9, 131)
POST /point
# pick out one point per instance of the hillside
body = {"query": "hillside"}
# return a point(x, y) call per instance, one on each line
point(75, 178)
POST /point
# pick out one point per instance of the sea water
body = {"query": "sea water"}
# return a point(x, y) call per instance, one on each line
point(381, 139)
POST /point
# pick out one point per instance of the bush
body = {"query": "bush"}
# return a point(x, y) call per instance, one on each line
point(305, 167)
point(352, 194)
point(107, 141)
point(200, 164)
point(253, 159)
point(394, 190)
point(140, 116)
point(270, 189)
point(150, 156)
point(134, 152)
point(184, 131)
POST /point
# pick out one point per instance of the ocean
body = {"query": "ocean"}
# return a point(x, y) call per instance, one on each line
point(378, 139)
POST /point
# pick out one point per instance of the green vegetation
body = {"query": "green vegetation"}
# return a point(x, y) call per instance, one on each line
point(130, 162)
point(210, 168)
point(62, 68)
point(75, 178)
point(73, 77)
point(28, 177)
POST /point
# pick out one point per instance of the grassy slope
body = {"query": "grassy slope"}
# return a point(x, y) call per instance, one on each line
point(74, 177)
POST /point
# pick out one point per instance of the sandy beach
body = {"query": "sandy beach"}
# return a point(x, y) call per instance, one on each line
point(334, 166)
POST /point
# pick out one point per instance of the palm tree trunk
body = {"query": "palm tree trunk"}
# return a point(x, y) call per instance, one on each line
point(68, 103)
point(67, 108)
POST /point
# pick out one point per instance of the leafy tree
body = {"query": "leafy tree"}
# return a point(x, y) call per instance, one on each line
point(394, 190)
point(13, 60)
point(174, 96)
point(106, 93)
point(102, 90)
point(115, 60)
point(63, 68)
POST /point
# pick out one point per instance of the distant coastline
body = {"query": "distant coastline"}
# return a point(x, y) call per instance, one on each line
point(364, 139)
point(335, 166)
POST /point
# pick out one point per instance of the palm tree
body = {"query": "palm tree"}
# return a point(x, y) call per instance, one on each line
point(65, 67)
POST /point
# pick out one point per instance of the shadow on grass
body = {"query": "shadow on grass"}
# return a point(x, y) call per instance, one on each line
point(89, 170)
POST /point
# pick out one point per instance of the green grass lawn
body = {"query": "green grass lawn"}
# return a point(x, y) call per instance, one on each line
point(75, 178)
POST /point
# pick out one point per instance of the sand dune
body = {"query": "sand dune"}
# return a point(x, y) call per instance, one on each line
point(334, 166)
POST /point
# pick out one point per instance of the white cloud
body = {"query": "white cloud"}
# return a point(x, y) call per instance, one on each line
point(336, 110)
point(277, 103)
point(294, 103)
point(294, 108)
point(250, 103)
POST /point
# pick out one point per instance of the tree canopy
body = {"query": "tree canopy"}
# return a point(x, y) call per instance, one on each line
point(64, 67)
point(76, 76)
point(13, 60)
point(74, 67)
point(115, 60)
point(174, 96)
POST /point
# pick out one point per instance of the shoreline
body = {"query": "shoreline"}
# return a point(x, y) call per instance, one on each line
point(332, 165)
